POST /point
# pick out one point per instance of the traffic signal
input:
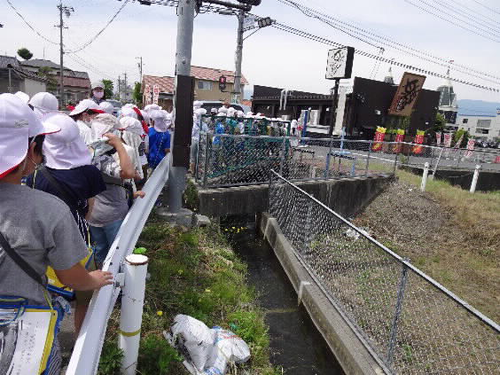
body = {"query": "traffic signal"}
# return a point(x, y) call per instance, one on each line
point(250, 2)
point(264, 22)
point(222, 83)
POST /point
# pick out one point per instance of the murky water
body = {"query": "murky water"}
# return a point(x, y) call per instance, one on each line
point(296, 344)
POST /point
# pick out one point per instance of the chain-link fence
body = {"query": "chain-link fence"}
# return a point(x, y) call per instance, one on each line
point(232, 160)
point(412, 323)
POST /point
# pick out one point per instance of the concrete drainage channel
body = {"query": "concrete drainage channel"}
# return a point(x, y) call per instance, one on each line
point(296, 344)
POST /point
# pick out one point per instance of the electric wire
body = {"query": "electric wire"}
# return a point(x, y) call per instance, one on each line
point(475, 14)
point(29, 25)
point(92, 40)
point(487, 7)
point(387, 42)
point(450, 21)
point(307, 35)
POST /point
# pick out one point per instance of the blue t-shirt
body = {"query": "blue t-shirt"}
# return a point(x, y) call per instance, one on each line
point(80, 183)
point(158, 142)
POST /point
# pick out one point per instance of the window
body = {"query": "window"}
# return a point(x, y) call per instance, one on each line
point(483, 131)
point(483, 123)
point(205, 85)
point(465, 121)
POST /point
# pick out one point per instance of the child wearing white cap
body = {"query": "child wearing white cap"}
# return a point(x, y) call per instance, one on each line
point(36, 226)
point(83, 114)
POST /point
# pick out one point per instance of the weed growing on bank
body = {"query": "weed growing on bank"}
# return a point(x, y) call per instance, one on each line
point(195, 273)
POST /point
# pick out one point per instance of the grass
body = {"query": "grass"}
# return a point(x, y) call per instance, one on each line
point(196, 273)
point(466, 258)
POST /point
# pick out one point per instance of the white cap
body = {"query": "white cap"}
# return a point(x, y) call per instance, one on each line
point(65, 149)
point(197, 104)
point(152, 107)
point(200, 112)
point(241, 114)
point(222, 110)
point(17, 123)
point(128, 112)
point(102, 124)
point(85, 105)
point(107, 107)
point(23, 96)
point(131, 125)
point(98, 84)
point(43, 103)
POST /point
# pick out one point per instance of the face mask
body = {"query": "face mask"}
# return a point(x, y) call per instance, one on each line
point(98, 94)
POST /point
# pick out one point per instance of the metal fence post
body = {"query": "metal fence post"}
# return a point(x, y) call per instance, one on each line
point(437, 163)
point(271, 172)
point(395, 163)
point(135, 270)
point(282, 160)
point(327, 170)
point(474, 179)
point(308, 226)
point(397, 314)
point(205, 172)
point(368, 157)
point(197, 160)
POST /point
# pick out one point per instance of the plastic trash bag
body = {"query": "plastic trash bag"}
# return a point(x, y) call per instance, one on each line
point(207, 351)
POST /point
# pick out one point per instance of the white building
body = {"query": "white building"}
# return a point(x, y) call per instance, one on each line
point(480, 127)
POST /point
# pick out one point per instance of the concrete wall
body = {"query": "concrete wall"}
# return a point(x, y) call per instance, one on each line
point(346, 345)
point(31, 86)
point(346, 196)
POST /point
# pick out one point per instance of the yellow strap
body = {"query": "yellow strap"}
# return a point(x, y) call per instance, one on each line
point(130, 334)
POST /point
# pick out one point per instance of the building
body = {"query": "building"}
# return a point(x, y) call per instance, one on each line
point(206, 85)
point(166, 86)
point(448, 100)
point(76, 84)
point(481, 127)
point(13, 78)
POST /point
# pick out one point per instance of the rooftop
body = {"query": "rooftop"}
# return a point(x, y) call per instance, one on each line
point(166, 83)
point(212, 74)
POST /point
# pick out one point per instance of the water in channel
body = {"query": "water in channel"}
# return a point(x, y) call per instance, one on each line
point(296, 344)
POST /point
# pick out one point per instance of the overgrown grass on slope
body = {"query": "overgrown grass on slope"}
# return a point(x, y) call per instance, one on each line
point(460, 248)
point(195, 273)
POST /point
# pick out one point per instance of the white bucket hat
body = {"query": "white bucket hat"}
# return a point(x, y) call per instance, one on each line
point(131, 125)
point(18, 123)
point(85, 105)
point(102, 124)
point(128, 112)
point(65, 149)
point(97, 84)
point(44, 103)
point(107, 107)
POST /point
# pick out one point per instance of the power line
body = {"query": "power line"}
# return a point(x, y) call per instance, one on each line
point(485, 6)
point(307, 35)
point(88, 43)
point(28, 24)
point(450, 21)
point(482, 23)
point(491, 20)
point(398, 46)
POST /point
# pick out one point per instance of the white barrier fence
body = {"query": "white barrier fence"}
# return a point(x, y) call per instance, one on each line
point(88, 346)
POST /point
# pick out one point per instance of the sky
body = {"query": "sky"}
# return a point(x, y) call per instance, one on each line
point(271, 57)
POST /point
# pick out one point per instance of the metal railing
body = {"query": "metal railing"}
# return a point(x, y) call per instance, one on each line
point(88, 346)
point(233, 160)
point(410, 322)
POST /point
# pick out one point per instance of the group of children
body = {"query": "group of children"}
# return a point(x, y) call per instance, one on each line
point(67, 182)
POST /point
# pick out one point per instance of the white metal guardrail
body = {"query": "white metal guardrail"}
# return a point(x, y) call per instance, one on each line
point(87, 351)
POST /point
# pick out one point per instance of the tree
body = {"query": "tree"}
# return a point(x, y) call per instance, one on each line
point(24, 53)
point(44, 72)
point(108, 88)
point(137, 95)
point(440, 122)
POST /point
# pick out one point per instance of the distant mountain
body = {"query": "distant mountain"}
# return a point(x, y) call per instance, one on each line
point(477, 107)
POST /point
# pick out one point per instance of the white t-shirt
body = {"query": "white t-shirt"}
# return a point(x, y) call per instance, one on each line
point(85, 132)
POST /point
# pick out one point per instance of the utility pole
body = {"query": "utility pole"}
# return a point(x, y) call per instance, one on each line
point(125, 84)
point(67, 11)
point(119, 89)
point(139, 65)
point(183, 110)
point(239, 56)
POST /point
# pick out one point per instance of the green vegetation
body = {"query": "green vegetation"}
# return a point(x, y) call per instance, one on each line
point(108, 88)
point(137, 94)
point(449, 233)
point(24, 53)
point(195, 273)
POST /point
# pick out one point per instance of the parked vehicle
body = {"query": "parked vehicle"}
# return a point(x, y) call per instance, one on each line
point(208, 105)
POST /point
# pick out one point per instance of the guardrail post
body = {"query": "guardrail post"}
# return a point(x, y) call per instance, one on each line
point(135, 270)
point(474, 179)
point(397, 314)
point(424, 176)
point(205, 172)
point(368, 157)
point(327, 170)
